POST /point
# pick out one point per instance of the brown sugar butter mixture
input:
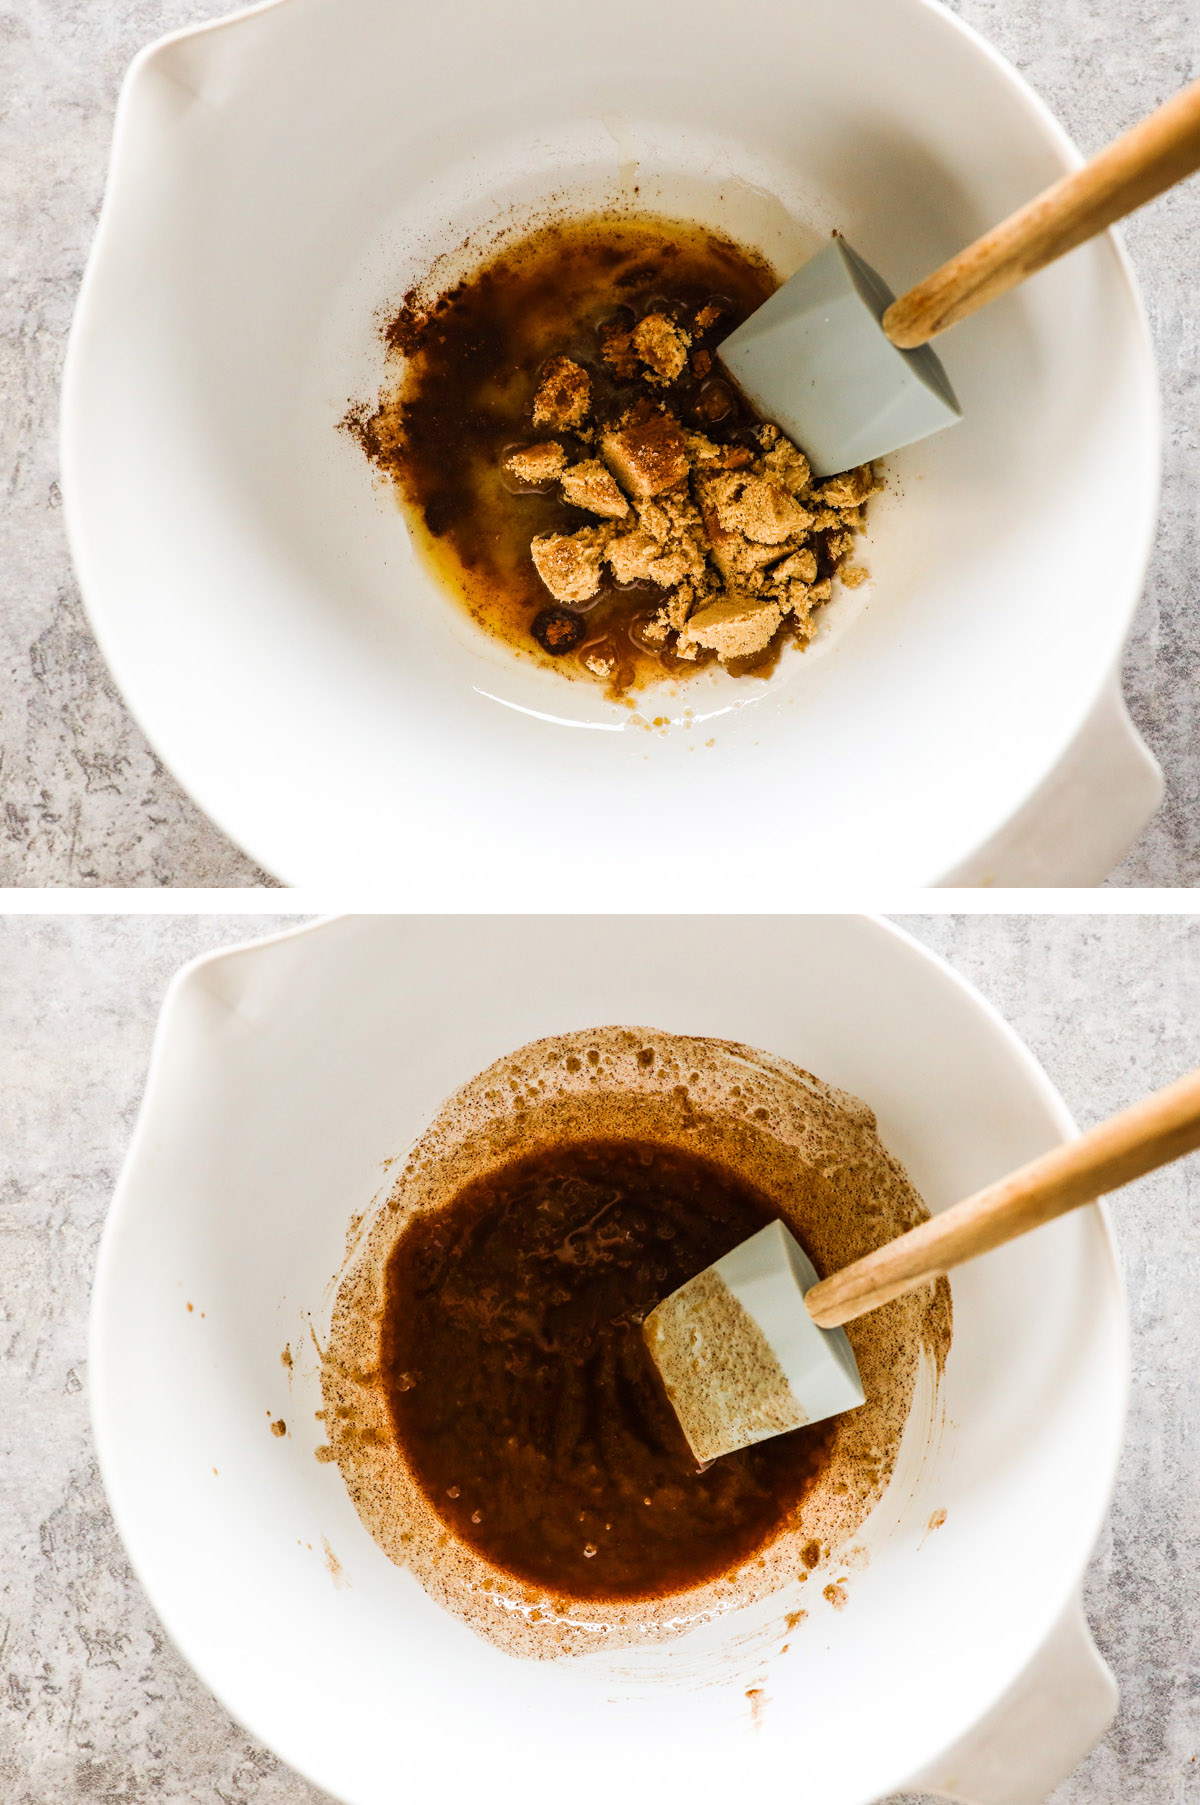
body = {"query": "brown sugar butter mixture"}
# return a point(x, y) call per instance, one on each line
point(486, 1391)
point(583, 475)
point(520, 1385)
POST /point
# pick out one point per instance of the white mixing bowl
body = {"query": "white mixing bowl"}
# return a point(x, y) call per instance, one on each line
point(286, 1075)
point(278, 178)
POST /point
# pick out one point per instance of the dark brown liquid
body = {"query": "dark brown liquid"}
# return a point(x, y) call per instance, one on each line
point(521, 1390)
point(468, 392)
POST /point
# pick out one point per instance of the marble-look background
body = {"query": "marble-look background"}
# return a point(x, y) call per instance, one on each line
point(85, 800)
point(95, 1705)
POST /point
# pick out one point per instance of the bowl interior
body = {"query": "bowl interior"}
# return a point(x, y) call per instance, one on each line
point(286, 1078)
point(279, 181)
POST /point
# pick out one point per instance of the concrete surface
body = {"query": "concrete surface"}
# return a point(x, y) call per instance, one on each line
point(94, 1703)
point(85, 800)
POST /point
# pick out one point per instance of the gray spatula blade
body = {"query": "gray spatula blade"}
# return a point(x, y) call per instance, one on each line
point(739, 1356)
point(815, 360)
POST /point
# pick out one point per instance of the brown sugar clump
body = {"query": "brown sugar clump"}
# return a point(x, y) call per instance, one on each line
point(536, 463)
point(592, 486)
point(761, 508)
point(564, 395)
point(634, 558)
point(616, 348)
point(672, 616)
point(677, 607)
point(674, 521)
point(741, 628)
point(667, 546)
point(737, 557)
point(569, 564)
point(801, 567)
point(639, 558)
point(747, 553)
point(783, 460)
point(708, 457)
point(646, 452)
point(662, 347)
point(838, 546)
point(573, 381)
point(848, 489)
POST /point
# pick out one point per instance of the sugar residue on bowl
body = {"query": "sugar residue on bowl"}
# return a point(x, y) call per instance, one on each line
point(581, 474)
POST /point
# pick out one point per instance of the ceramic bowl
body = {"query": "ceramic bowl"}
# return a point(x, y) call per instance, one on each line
point(286, 1076)
point(280, 178)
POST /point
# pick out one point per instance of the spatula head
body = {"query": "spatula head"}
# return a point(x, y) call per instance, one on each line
point(815, 360)
point(739, 1355)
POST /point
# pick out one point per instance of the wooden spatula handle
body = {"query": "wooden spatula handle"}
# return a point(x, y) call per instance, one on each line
point(1156, 154)
point(1161, 1128)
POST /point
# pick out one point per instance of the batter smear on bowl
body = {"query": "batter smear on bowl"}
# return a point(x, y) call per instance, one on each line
point(582, 474)
point(521, 1389)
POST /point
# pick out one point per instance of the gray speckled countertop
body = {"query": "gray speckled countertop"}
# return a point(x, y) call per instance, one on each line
point(85, 800)
point(94, 1702)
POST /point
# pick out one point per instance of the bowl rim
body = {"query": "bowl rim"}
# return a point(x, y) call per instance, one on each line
point(104, 1411)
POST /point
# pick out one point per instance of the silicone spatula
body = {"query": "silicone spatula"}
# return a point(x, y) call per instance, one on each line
point(753, 1346)
point(846, 369)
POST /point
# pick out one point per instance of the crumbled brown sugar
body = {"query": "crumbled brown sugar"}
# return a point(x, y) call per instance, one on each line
point(640, 558)
point(741, 559)
point(738, 533)
point(763, 510)
point(672, 616)
point(848, 489)
point(734, 629)
point(645, 452)
point(591, 485)
point(569, 563)
point(564, 395)
point(662, 346)
point(737, 557)
point(782, 458)
point(536, 464)
point(667, 545)
point(801, 567)
point(493, 451)
point(616, 348)
point(839, 545)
